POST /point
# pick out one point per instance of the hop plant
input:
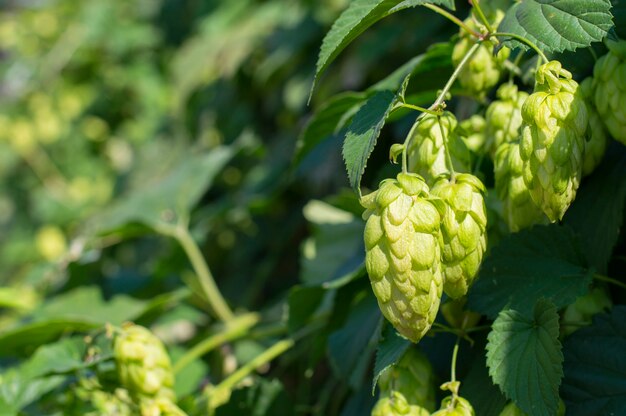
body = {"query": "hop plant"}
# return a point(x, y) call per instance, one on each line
point(482, 72)
point(160, 406)
point(552, 144)
point(455, 406)
point(402, 242)
point(518, 209)
point(427, 146)
point(596, 137)
point(396, 405)
point(582, 311)
point(512, 410)
point(413, 377)
point(463, 229)
point(472, 131)
point(609, 89)
point(143, 364)
point(504, 117)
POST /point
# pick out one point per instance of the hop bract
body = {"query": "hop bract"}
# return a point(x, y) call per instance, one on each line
point(609, 89)
point(596, 137)
point(553, 139)
point(413, 377)
point(402, 242)
point(455, 406)
point(463, 229)
point(427, 153)
point(396, 405)
point(519, 210)
point(504, 117)
point(143, 364)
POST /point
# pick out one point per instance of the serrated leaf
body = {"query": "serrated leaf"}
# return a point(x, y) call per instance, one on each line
point(362, 134)
point(597, 213)
point(558, 25)
point(59, 357)
point(543, 262)
point(390, 349)
point(595, 367)
point(525, 359)
point(360, 15)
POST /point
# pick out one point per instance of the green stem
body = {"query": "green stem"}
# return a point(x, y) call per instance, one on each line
point(455, 353)
point(234, 329)
point(420, 109)
point(453, 19)
point(523, 40)
point(481, 15)
point(607, 279)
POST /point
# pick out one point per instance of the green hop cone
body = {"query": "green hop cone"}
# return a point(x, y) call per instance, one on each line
point(609, 89)
point(458, 316)
point(160, 406)
point(455, 406)
point(396, 405)
point(581, 312)
point(482, 72)
point(402, 242)
point(553, 139)
point(413, 377)
point(463, 229)
point(472, 131)
point(143, 364)
point(427, 146)
point(596, 136)
point(518, 209)
point(504, 117)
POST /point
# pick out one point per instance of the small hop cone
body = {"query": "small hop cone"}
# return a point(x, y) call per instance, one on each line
point(483, 70)
point(427, 152)
point(553, 139)
point(609, 89)
point(582, 311)
point(472, 131)
point(402, 242)
point(412, 377)
point(160, 406)
point(518, 210)
point(464, 231)
point(504, 117)
point(455, 406)
point(596, 137)
point(143, 365)
point(396, 405)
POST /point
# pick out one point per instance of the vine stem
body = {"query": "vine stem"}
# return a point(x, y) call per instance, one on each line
point(523, 40)
point(481, 15)
point(234, 329)
point(455, 353)
point(607, 279)
point(452, 18)
point(205, 278)
point(418, 108)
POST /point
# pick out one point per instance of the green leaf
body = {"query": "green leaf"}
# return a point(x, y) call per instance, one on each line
point(391, 347)
point(558, 25)
point(303, 302)
point(598, 211)
point(57, 358)
point(525, 359)
point(363, 132)
point(18, 391)
point(360, 15)
point(544, 261)
point(595, 367)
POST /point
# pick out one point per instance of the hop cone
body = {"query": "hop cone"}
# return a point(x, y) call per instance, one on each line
point(596, 132)
point(552, 145)
point(142, 362)
point(463, 229)
point(518, 210)
point(609, 89)
point(455, 406)
point(396, 405)
point(504, 117)
point(457, 315)
point(482, 72)
point(413, 377)
point(160, 406)
point(402, 242)
point(585, 307)
point(472, 131)
point(427, 153)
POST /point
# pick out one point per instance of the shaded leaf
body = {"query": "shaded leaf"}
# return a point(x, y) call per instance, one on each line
point(390, 349)
point(303, 302)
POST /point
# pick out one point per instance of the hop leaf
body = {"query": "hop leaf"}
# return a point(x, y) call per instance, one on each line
point(504, 117)
point(463, 229)
point(552, 144)
point(396, 405)
point(609, 89)
point(596, 136)
point(402, 242)
point(455, 406)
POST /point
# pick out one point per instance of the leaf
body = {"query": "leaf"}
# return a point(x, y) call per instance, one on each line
point(544, 261)
point(18, 391)
point(363, 132)
point(525, 359)
point(390, 349)
point(360, 15)
point(57, 358)
point(303, 302)
point(597, 213)
point(595, 367)
point(558, 25)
